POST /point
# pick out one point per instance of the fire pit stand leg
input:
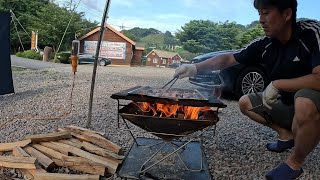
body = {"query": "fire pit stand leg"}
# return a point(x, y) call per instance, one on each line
point(143, 170)
point(189, 169)
point(124, 121)
point(154, 154)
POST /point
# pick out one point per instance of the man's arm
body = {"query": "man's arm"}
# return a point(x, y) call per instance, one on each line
point(217, 63)
point(311, 81)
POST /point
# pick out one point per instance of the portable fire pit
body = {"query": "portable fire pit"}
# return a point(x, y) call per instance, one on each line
point(168, 115)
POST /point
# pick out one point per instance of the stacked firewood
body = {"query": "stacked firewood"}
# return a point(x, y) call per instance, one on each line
point(75, 148)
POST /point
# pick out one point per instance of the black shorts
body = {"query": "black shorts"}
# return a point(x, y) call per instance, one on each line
point(282, 114)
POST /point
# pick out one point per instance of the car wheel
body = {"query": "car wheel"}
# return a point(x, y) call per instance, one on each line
point(102, 63)
point(250, 80)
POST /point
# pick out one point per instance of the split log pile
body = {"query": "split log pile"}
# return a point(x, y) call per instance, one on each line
point(75, 148)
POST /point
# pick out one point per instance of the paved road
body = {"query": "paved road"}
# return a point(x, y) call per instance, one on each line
point(34, 64)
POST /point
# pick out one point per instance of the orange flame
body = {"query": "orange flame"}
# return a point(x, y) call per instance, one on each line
point(171, 110)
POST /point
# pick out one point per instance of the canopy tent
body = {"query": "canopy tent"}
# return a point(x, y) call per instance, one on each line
point(6, 83)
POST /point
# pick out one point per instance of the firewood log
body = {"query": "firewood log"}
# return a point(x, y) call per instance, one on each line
point(58, 176)
point(110, 164)
point(29, 173)
point(43, 160)
point(71, 162)
point(93, 138)
point(10, 146)
point(48, 137)
point(55, 147)
point(102, 152)
point(17, 162)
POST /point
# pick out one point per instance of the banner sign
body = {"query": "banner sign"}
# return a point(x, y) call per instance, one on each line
point(112, 50)
point(34, 40)
point(6, 83)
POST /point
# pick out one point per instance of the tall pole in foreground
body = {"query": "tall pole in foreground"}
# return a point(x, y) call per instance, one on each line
point(105, 13)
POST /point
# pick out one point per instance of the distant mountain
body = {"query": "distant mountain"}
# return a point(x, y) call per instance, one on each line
point(139, 33)
point(152, 38)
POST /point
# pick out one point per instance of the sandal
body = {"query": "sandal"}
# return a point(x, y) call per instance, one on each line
point(283, 172)
point(280, 145)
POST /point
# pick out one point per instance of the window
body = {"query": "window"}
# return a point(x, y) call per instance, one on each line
point(155, 60)
point(149, 59)
point(164, 61)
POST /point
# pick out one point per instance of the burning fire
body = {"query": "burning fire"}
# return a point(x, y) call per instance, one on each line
point(171, 110)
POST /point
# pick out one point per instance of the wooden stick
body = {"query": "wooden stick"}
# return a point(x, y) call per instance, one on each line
point(74, 163)
point(75, 140)
point(48, 137)
point(110, 164)
point(86, 130)
point(44, 160)
point(94, 138)
point(82, 164)
point(10, 146)
point(17, 162)
point(102, 152)
point(49, 152)
point(19, 152)
point(72, 143)
point(58, 176)
point(55, 147)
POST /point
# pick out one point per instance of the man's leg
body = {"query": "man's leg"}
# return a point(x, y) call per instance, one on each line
point(306, 132)
point(246, 104)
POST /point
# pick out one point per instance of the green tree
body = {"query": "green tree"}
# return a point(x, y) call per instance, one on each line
point(47, 18)
point(250, 35)
point(204, 36)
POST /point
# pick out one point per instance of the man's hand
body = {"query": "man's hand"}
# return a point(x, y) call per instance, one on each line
point(185, 70)
point(269, 96)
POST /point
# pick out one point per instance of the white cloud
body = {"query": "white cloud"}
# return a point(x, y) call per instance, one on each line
point(131, 22)
point(92, 4)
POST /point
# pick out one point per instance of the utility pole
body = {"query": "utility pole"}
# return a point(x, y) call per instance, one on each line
point(105, 13)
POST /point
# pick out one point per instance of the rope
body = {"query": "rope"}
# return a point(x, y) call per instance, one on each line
point(19, 23)
point(65, 114)
point(18, 34)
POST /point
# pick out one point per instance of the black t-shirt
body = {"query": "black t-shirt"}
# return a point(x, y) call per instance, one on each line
point(294, 59)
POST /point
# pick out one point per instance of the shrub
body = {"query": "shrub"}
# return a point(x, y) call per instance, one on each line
point(63, 57)
point(19, 54)
point(30, 54)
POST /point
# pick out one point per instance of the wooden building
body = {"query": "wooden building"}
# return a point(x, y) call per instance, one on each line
point(158, 58)
point(115, 46)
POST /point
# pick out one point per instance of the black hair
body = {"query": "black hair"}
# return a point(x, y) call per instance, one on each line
point(281, 5)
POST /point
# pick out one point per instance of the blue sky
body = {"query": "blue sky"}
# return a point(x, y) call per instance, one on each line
point(172, 14)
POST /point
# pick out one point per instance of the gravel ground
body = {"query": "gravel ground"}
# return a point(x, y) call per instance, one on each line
point(237, 151)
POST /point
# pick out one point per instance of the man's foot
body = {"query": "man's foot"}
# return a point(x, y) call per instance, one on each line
point(283, 172)
point(280, 145)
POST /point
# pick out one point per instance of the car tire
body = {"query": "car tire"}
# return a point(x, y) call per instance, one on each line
point(249, 80)
point(102, 63)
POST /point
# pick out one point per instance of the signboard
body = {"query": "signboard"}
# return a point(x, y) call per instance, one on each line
point(34, 40)
point(6, 83)
point(112, 50)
